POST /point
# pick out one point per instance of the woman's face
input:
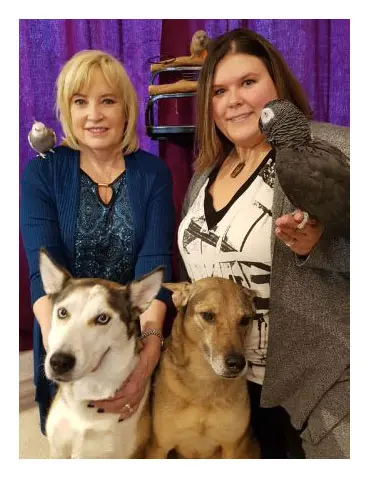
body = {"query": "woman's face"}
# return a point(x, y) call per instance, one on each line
point(241, 88)
point(97, 115)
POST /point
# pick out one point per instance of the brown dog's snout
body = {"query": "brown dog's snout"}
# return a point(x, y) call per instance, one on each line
point(235, 362)
point(61, 362)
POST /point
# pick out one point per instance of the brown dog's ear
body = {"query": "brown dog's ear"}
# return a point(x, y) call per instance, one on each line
point(251, 294)
point(181, 292)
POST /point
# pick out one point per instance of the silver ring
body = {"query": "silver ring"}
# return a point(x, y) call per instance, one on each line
point(291, 243)
point(128, 407)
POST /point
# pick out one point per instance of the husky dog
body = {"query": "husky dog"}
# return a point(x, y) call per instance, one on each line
point(93, 348)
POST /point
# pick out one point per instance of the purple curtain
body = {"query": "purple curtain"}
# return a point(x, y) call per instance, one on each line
point(317, 51)
point(45, 45)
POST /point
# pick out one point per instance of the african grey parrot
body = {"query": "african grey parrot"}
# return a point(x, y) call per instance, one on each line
point(314, 174)
point(41, 139)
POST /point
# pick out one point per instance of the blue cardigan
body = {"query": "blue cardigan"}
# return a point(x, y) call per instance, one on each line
point(48, 216)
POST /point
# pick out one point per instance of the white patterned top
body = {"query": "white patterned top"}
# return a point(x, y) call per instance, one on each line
point(236, 246)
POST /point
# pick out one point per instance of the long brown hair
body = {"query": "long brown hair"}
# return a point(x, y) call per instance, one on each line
point(212, 145)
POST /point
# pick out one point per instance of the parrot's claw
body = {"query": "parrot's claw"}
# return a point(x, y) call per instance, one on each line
point(304, 221)
point(52, 151)
point(43, 156)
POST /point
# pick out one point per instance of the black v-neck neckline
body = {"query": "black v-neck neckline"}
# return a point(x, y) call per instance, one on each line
point(212, 216)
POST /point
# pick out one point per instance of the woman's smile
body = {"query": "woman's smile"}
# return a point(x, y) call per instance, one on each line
point(97, 131)
point(239, 118)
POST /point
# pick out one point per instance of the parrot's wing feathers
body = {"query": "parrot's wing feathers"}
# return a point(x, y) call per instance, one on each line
point(337, 156)
point(316, 181)
point(295, 183)
point(52, 132)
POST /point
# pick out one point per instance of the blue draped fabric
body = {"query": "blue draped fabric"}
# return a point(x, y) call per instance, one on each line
point(318, 52)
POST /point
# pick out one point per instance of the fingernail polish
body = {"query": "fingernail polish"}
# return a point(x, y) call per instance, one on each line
point(90, 405)
point(121, 420)
point(100, 410)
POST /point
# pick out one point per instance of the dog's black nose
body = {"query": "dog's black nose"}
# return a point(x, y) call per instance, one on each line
point(61, 362)
point(235, 362)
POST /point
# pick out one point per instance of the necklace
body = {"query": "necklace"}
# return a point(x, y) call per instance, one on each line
point(239, 167)
point(237, 170)
point(105, 185)
point(254, 159)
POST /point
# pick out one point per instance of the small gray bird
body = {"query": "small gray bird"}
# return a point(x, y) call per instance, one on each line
point(41, 139)
point(314, 174)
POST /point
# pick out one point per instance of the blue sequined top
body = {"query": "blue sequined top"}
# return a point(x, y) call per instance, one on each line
point(104, 233)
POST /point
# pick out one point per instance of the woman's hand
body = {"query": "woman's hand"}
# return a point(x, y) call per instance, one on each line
point(300, 241)
point(127, 399)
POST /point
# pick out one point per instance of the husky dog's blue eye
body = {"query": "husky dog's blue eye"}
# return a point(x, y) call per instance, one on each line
point(208, 316)
point(62, 313)
point(103, 319)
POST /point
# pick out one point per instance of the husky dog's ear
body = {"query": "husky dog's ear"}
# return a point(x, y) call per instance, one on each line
point(52, 275)
point(143, 291)
point(181, 293)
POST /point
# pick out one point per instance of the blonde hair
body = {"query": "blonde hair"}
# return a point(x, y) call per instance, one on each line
point(212, 145)
point(77, 73)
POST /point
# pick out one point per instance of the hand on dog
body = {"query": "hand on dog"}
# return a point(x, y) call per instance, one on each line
point(132, 390)
point(303, 240)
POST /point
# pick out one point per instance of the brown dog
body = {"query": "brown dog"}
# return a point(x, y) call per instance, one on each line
point(201, 405)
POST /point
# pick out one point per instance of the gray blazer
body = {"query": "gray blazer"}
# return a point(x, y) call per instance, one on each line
point(308, 344)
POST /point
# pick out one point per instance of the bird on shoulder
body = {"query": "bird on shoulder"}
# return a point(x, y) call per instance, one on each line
point(41, 139)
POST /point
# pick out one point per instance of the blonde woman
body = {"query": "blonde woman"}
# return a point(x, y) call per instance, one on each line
point(101, 206)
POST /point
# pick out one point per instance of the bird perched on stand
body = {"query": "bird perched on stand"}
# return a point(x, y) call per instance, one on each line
point(41, 139)
point(314, 174)
point(199, 44)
